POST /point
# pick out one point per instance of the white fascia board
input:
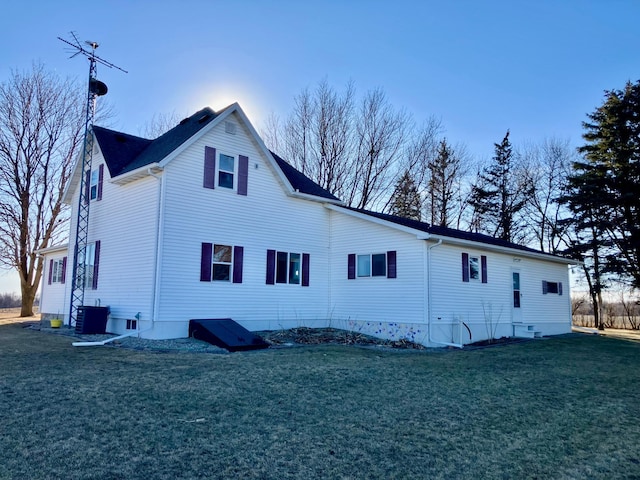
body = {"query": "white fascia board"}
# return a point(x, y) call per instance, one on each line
point(420, 235)
point(136, 174)
point(55, 248)
point(306, 196)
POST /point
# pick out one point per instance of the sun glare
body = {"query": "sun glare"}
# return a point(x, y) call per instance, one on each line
point(220, 96)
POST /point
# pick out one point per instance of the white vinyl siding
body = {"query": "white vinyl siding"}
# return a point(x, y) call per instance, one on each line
point(266, 218)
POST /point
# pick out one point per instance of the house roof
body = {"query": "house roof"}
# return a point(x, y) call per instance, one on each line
point(301, 182)
point(125, 153)
point(438, 231)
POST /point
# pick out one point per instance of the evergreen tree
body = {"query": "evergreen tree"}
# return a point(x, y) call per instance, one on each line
point(611, 172)
point(499, 195)
point(406, 200)
point(444, 185)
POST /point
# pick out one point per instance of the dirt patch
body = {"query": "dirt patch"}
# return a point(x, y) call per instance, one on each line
point(317, 336)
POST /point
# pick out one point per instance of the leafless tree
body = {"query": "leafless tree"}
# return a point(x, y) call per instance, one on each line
point(41, 130)
point(160, 123)
point(316, 137)
point(547, 167)
point(381, 134)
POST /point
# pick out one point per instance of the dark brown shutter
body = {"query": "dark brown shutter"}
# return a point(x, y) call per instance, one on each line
point(64, 270)
point(96, 265)
point(206, 259)
point(391, 264)
point(238, 259)
point(305, 269)
point(545, 287)
point(87, 186)
point(465, 267)
point(351, 266)
point(50, 271)
point(209, 167)
point(483, 266)
point(271, 267)
point(243, 174)
point(100, 179)
point(559, 288)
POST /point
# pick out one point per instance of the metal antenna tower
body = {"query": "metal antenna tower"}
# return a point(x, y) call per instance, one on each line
point(95, 89)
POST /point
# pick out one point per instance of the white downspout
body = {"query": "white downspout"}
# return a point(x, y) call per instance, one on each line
point(155, 298)
point(429, 297)
point(104, 342)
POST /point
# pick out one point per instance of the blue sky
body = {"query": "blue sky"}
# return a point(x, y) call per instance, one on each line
point(482, 67)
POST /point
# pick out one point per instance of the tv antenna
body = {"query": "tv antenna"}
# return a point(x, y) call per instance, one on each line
point(81, 264)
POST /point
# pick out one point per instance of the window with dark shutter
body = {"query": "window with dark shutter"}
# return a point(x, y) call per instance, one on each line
point(87, 186)
point(100, 180)
point(209, 167)
point(64, 270)
point(243, 174)
point(465, 267)
point(96, 265)
point(271, 267)
point(351, 266)
point(206, 259)
point(306, 258)
point(391, 264)
point(238, 254)
point(483, 268)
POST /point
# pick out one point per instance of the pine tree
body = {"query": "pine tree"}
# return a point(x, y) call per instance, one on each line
point(406, 201)
point(444, 188)
point(612, 173)
point(499, 195)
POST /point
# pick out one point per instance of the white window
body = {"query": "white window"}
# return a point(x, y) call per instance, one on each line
point(288, 267)
point(226, 171)
point(95, 178)
point(57, 271)
point(90, 265)
point(474, 268)
point(374, 265)
point(222, 263)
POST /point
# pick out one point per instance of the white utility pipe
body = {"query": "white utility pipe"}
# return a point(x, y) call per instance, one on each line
point(108, 340)
point(429, 296)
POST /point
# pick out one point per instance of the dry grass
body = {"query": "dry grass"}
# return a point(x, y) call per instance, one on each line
point(559, 408)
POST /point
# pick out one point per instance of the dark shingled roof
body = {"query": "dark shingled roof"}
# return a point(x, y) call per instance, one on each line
point(448, 232)
point(300, 182)
point(124, 153)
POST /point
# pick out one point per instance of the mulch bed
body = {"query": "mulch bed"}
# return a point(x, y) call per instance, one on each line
point(318, 336)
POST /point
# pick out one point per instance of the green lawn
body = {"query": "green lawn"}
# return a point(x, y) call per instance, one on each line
point(556, 408)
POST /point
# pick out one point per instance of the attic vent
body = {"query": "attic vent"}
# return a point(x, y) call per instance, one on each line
point(184, 120)
point(230, 128)
point(204, 118)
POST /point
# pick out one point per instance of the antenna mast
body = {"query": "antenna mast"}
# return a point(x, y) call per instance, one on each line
point(95, 89)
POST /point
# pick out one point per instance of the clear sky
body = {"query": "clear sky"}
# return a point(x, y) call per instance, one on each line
point(536, 67)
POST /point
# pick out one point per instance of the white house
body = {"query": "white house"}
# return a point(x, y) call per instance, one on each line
point(206, 222)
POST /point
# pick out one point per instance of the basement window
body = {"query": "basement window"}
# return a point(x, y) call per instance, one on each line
point(132, 324)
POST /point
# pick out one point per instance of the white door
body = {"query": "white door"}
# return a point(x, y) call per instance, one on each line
point(516, 310)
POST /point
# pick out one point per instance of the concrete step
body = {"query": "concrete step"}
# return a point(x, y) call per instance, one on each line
point(523, 330)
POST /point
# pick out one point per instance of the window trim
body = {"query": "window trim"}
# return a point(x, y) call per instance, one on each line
point(355, 269)
point(482, 275)
point(556, 288)
point(220, 170)
point(207, 263)
point(279, 268)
